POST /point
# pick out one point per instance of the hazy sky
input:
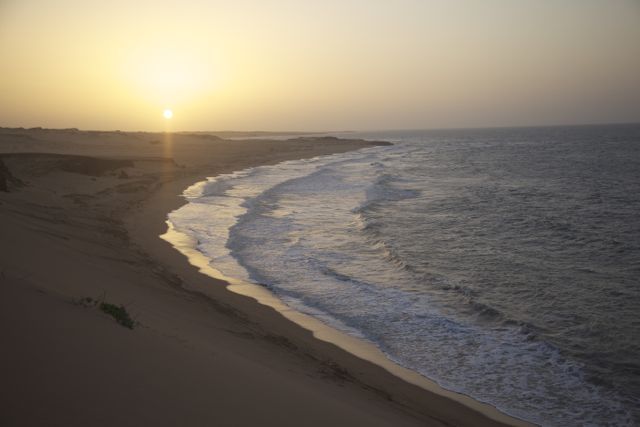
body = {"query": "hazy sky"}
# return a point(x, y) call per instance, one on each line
point(318, 65)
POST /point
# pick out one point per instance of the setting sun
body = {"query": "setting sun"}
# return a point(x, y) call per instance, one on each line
point(167, 114)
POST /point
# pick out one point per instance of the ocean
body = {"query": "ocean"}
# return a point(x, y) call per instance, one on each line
point(501, 263)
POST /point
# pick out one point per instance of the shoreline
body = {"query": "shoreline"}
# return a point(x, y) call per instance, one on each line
point(365, 351)
point(81, 218)
point(359, 348)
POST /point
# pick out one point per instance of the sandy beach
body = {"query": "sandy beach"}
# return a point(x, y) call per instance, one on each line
point(81, 213)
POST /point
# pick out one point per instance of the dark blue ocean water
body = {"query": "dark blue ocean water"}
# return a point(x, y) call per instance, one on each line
point(502, 263)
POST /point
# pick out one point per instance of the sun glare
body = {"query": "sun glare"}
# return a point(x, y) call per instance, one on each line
point(167, 114)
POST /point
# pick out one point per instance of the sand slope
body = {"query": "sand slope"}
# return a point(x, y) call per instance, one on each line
point(80, 218)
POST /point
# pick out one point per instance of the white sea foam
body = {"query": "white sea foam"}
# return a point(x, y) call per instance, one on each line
point(317, 233)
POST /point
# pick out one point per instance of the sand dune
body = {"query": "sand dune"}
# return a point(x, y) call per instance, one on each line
point(80, 213)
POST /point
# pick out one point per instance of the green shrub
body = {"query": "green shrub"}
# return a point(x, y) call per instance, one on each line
point(119, 313)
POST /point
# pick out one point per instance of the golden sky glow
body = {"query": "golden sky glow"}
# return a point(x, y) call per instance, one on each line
point(318, 65)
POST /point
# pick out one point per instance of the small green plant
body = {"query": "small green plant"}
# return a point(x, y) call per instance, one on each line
point(119, 313)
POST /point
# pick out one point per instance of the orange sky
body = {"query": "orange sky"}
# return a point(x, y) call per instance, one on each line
point(309, 65)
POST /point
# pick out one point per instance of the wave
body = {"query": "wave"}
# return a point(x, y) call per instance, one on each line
point(320, 234)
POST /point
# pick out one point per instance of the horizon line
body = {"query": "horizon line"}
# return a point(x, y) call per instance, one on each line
point(300, 132)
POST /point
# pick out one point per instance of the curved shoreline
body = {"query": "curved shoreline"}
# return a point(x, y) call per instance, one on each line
point(359, 348)
point(82, 225)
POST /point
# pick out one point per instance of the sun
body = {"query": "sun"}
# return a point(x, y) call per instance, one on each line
point(167, 114)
